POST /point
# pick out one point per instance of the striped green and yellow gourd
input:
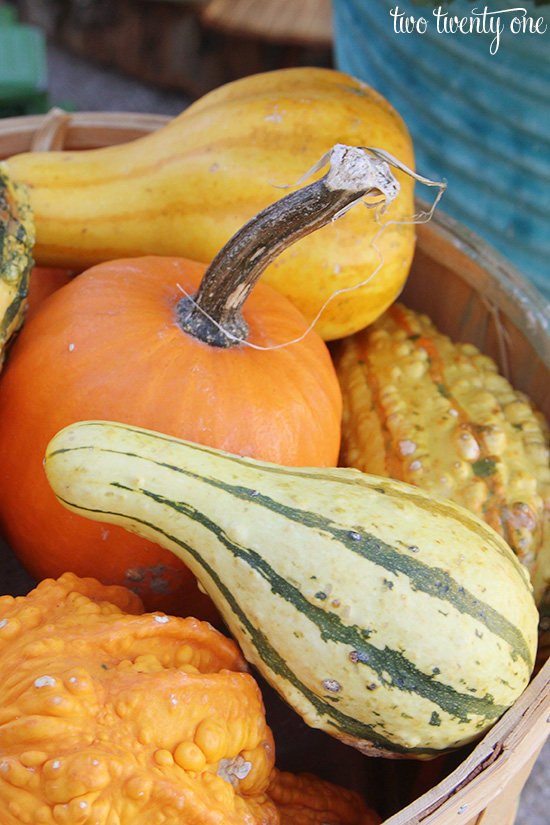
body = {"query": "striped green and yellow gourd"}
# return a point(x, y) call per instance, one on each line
point(400, 624)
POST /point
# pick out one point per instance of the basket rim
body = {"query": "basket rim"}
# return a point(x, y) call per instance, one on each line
point(494, 759)
point(93, 127)
point(509, 290)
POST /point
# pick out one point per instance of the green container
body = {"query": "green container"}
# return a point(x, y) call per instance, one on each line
point(23, 72)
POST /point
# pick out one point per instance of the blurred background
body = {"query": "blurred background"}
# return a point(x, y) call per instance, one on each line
point(479, 118)
point(157, 56)
point(148, 55)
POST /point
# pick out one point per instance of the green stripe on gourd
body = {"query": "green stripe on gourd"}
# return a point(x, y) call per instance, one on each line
point(402, 672)
point(434, 581)
point(325, 662)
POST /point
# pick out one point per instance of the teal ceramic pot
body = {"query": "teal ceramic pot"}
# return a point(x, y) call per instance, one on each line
point(477, 106)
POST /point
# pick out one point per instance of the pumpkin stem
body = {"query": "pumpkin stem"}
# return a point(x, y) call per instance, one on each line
point(214, 313)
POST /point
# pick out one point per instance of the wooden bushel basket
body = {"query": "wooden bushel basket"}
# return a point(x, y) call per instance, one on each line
point(473, 295)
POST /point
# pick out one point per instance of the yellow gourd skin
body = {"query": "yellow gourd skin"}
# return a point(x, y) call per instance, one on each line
point(437, 414)
point(186, 188)
point(111, 715)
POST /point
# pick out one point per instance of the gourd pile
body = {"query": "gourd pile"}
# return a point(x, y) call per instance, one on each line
point(194, 421)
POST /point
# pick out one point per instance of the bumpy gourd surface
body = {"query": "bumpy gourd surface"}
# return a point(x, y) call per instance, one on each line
point(437, 414)
point(114, 717)
point(16, 242)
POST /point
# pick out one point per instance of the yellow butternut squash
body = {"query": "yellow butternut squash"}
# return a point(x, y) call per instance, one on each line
point(188, 187)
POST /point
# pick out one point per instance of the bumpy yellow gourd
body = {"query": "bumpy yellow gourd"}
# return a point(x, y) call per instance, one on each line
point(423, 409)
point(188, 187)
point(112, 715)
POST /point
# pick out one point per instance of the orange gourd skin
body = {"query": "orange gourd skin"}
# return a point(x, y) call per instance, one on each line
point(113, 715)
point(44, 281)
point(304, 799)
point(107, 346)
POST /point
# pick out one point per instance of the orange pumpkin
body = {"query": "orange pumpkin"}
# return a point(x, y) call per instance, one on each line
point(107, 345)
point(44, 281)
point(112, 715)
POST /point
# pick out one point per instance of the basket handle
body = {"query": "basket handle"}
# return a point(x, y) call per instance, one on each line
point(50, 136)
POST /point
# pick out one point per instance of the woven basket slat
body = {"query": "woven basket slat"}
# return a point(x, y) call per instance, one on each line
point(503, 755)
point(85, 130)
point(502, 810)
point(474, 295)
